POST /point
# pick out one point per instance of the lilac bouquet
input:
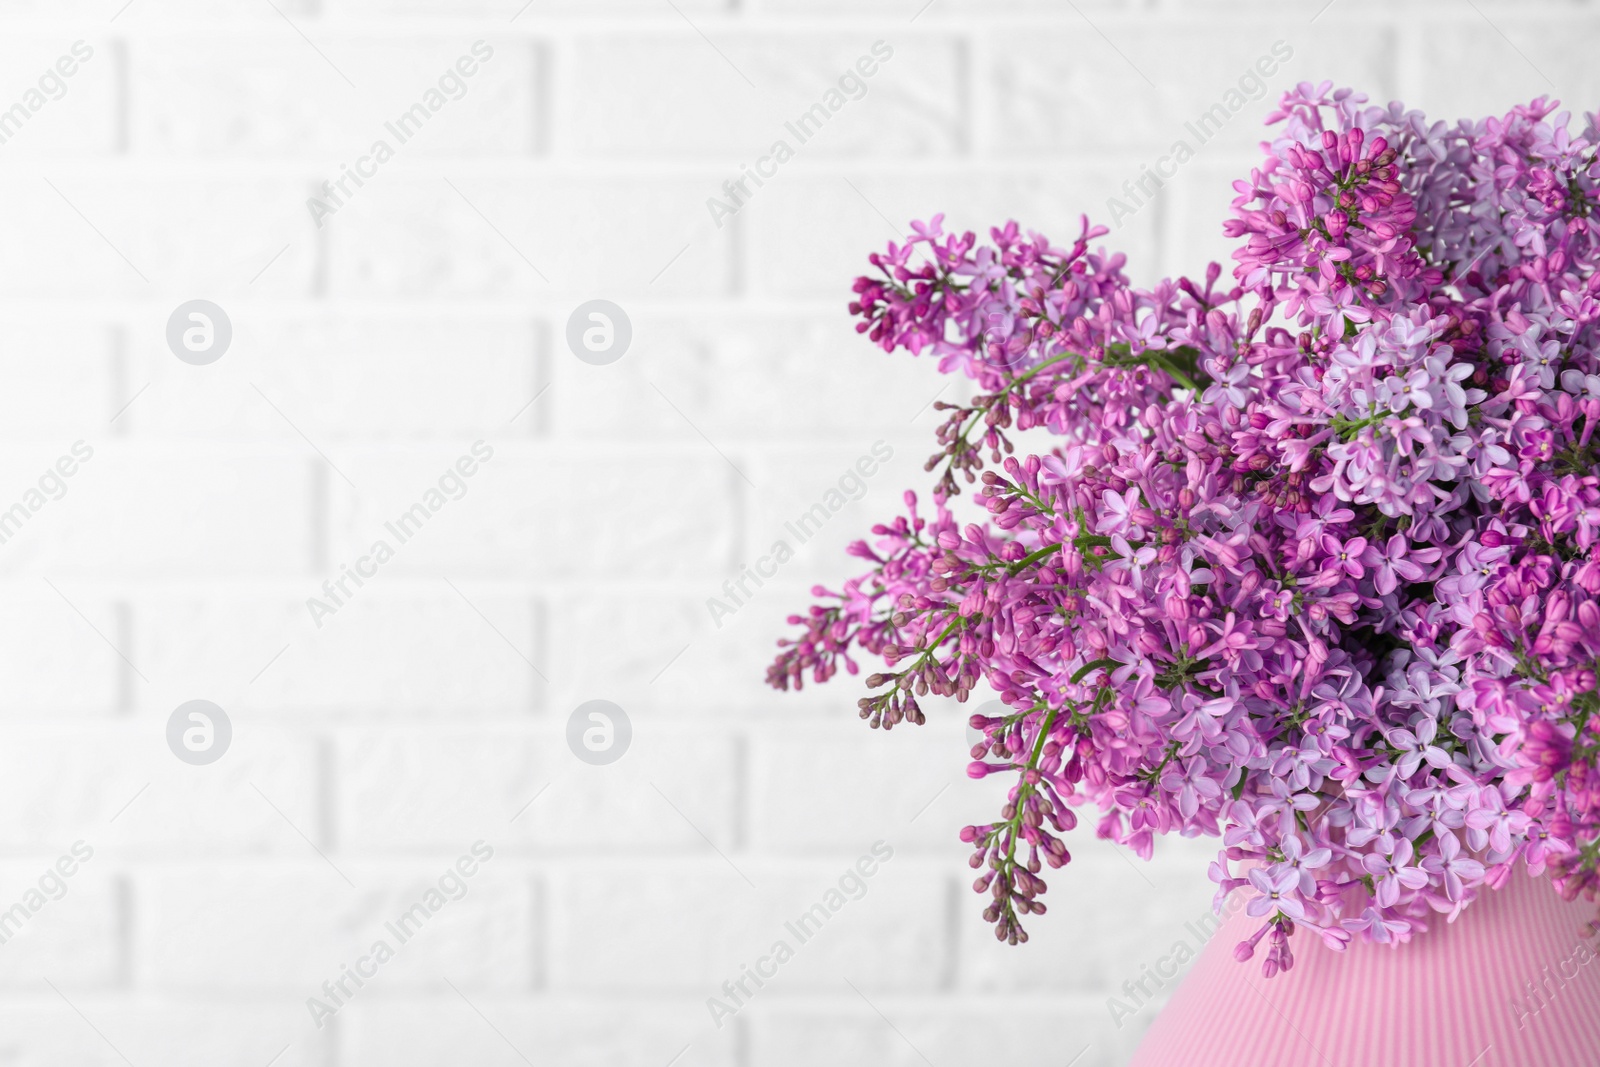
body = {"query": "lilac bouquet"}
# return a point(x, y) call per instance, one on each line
point(1310, 561)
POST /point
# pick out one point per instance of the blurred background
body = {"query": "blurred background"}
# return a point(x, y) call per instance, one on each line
point(244, 346)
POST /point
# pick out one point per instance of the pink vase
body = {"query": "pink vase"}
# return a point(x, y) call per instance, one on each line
point(1513, 982)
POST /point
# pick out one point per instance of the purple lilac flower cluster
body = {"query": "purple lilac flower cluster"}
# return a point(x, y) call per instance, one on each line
point(1308, 562)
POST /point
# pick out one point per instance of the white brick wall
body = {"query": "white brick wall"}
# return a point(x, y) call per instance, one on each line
point(430, 712)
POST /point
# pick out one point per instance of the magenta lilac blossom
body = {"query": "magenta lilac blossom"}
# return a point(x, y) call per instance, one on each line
point(1306, 561)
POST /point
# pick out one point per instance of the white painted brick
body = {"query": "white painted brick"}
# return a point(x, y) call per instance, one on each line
point(894, 938)
point(541, 511)
point(42, 1029)
point(393, 650)
point(43, 486)
point(1197, 202)
point(665, 651)
point(669, 653)
point(926, 15)
point(609, 1030)
point(69, 929)
point(908, 785)
point(913, 104)
point(630, 641)
point(853, 1034)
point(169, 239)
point(61, 784)
point(341, 378)
point(413, 237)
point(531, 15)
point(1110, 914)
point(689, 930)
point(818, 502)
point(48, 112)
point(288, 101)
point(133, 15)
point(259, 798)
point(747, 645)
point(137, 512)
point(59, 667)
point(671, 791)
point(51, 251)
point(1416, 12)
point(910, 1033)
point(290, 927)
point(1553, 62)
point(762, 376)
point(58, 376)
point(1068, 91)
point(58, 788)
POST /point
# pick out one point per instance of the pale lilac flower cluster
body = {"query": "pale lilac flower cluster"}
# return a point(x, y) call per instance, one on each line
point(1312, 564)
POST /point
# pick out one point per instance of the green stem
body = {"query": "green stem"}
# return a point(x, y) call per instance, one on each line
point(1174, 373)
point(1026, 788)
point(1012, 384)
point(1034, 557)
